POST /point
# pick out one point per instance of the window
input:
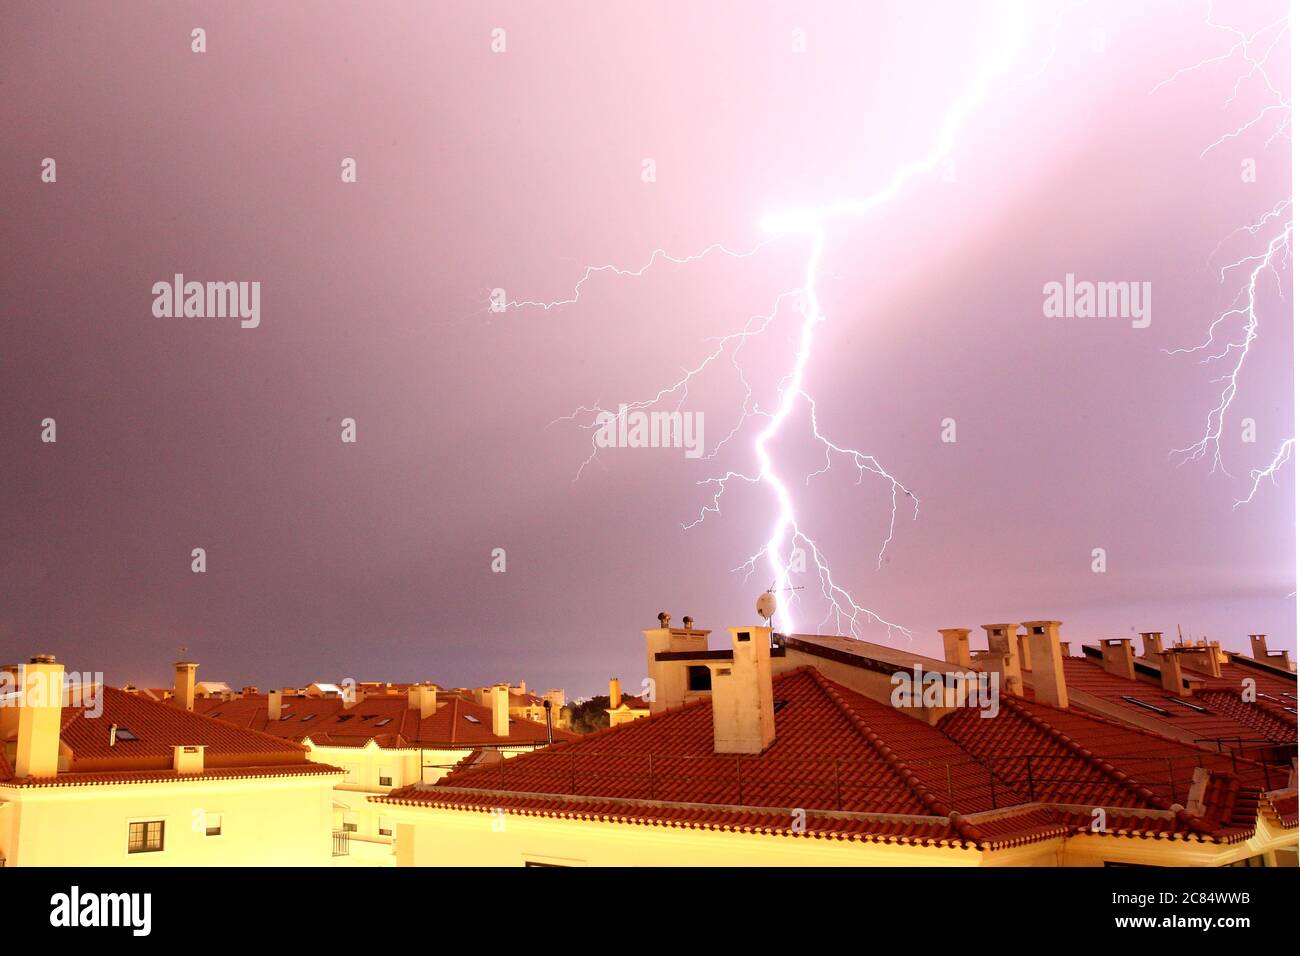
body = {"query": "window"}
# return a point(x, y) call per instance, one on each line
point(384, 723)
point(343, 718)
point(385, 826)
point(385, 781)
point(307, 717)
point(145, 837)
point(699, 677)
point(1152, 707)
point(349, 827)
point(212, 824)
point(124, 733)
point(472, 719)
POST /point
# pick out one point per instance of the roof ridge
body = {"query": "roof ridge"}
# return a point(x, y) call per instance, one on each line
point(1105, 766)
point(896, 764)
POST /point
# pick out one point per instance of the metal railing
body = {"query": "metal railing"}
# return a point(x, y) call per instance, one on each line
point(342, 843)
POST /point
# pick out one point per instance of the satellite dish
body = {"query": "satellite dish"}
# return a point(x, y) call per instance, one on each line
point(766, 605)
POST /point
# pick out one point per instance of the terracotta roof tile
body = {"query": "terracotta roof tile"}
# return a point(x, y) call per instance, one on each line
point(859, 767)
point(147, 751)
point(389, 720)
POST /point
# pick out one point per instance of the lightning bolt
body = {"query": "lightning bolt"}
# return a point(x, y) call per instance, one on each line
point(1272, 231)
point(788, 541)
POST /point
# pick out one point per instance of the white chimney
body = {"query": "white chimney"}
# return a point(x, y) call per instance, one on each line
point(1153, 645)
point(1048, 675)
point(956, 645)
point(1117, 657)
point(501, 711)
point(188, 758)
point(274, 705)
point(744, 719)
point(40, 717)
point(184, 693)
point(424, 698)
point(1171, 673)
point(1004, 647)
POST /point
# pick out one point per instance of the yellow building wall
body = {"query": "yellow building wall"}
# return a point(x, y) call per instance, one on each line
point(431, 837)
point(277, 821)
point(364, 766)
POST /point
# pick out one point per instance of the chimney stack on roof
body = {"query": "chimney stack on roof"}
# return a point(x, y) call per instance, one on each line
point(956, 645)
point(40, 718)
point(422, 697)
point(1153, 645)
point(1171, 673)
point(184, 693)
point(1117, 657)
point(501, 710)
point(1259, 649)
point(744, 716)
point(1004, 655)
point(615, 692)
point(274, 705)
point(1048, 675)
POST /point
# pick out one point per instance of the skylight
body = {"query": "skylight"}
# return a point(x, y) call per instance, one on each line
point(344, 718)
point(384, 723)
point(124, 733)
point(1152, 707)
point(1189, 705)
point(307, 717)
point(472, 719)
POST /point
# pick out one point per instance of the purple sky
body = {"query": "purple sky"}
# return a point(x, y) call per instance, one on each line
point(479, 170)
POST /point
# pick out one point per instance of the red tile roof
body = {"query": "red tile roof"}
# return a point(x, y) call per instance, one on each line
point(389, 720)
point(158, 728)
point(836, 752)
point(1089, 677)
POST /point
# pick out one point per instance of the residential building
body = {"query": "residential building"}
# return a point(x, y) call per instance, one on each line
point(96, 776)
point(387, 741)
point(624, 708)
point(795, 754)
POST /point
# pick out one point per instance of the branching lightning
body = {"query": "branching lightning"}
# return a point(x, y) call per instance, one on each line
point(1272, 231)
point(789, 544)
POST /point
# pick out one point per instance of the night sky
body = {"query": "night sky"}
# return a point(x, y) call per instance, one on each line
point(479, 170)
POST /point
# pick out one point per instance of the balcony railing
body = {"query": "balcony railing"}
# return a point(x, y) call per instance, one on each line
point(342, 843)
